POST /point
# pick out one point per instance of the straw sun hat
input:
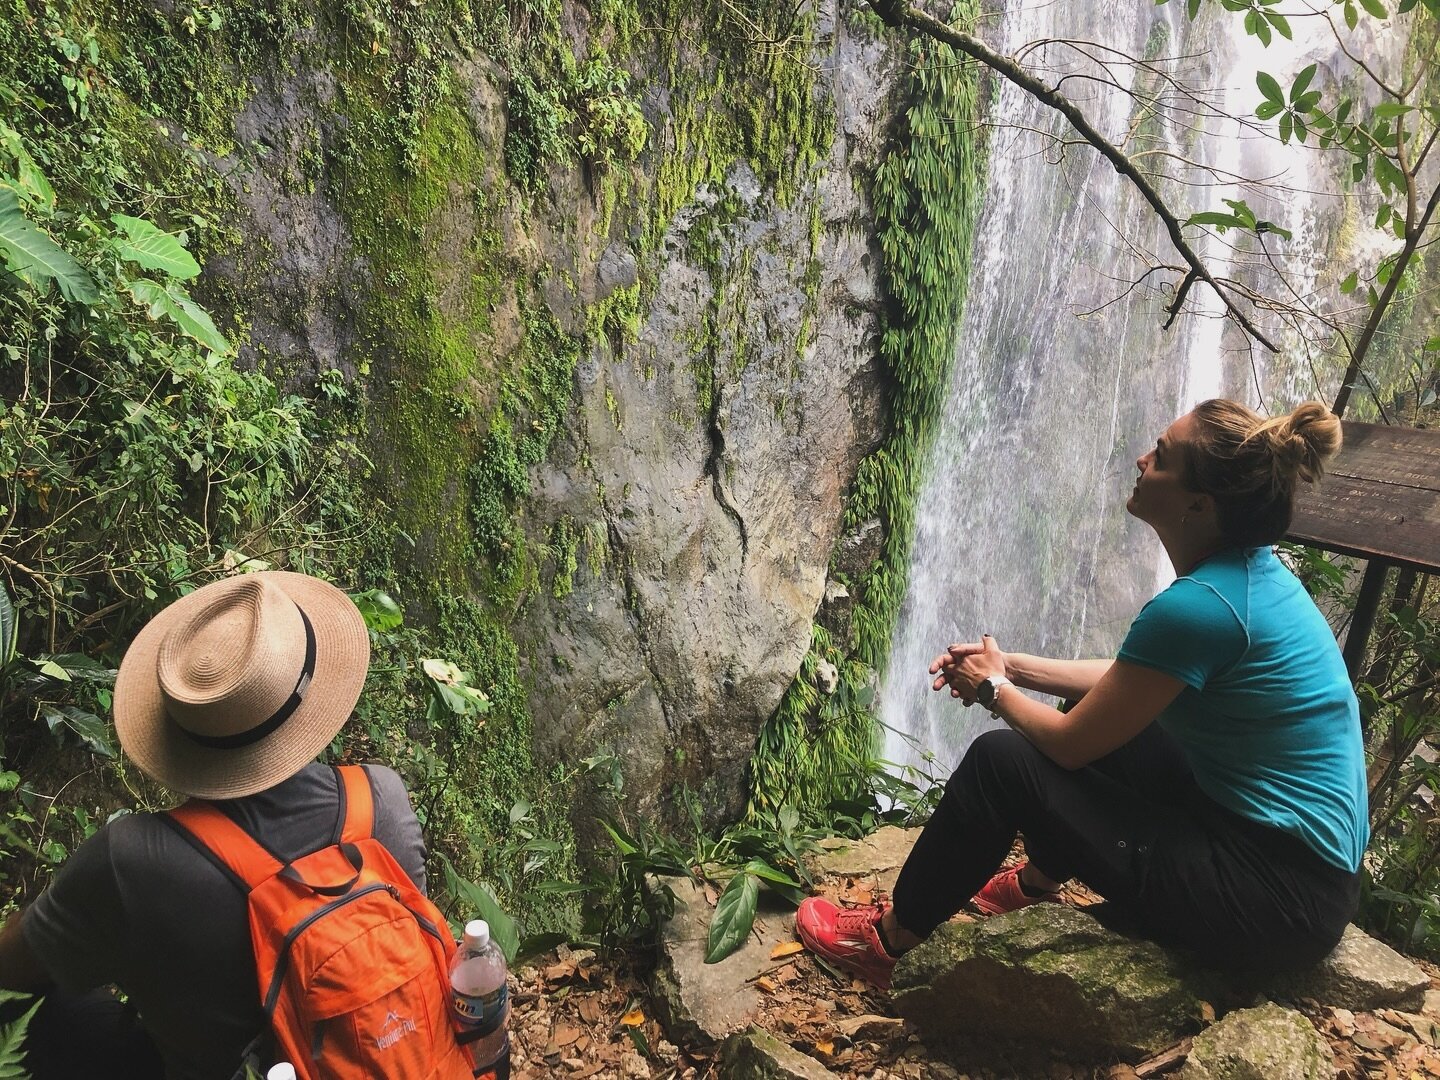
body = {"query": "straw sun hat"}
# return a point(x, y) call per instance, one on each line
point(239, 685)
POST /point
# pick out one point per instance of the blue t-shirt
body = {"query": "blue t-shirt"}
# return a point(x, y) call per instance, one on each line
point(1267, 717)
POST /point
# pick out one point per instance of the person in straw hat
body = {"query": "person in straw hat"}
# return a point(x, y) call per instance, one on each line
point(228, 694)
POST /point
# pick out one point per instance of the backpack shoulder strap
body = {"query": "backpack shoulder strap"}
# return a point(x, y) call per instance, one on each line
point(225, 842)
point(359, 803)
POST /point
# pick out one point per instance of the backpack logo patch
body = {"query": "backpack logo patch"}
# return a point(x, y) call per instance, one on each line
point(395, 1028)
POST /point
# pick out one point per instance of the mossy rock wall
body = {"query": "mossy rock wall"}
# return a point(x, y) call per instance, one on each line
point(610, 407)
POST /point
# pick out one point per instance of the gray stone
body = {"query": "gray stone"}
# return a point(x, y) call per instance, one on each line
point(713, 491)
point(617, 269)
point(700, 1002)
point(758, 1055)
point(1264, 1043)
point(1359, 974)
point(1048, 975)
point(827, 677)
point(880, 854)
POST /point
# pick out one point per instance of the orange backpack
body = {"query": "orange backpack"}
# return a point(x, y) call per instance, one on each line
point(352, 959)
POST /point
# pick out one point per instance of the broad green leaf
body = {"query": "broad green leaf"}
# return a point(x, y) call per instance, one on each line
point(1375, 8)
point(153, 248)
point(378, 609)
point(91, 730)
point(1302, 82)
point(32, 255)
point(1192, 9)
point(1433, 345)
point(1280, 23)
point(1214, 217)
point(761, 869)
point(174, 303)
point(9, 628)
point(478, 902)
point(1393, 109)
point(1352, 17)
point(1348, 285)
point(1287, 127)
point(1308, 102)
point(1267, 110)
point(622, 844)
point(733, 918)
point(82, 667)
point(1383, 215)
point(9, 781)
point(1269, 87)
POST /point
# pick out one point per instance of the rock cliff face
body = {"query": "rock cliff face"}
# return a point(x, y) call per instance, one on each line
point(696, 473)
point(720, 508)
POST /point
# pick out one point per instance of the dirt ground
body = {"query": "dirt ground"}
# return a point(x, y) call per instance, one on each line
point(579, 1015)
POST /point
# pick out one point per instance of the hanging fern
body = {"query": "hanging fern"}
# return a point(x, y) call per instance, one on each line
point(816, 751)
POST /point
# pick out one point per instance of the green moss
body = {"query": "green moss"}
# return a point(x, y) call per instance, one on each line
point(926, 194)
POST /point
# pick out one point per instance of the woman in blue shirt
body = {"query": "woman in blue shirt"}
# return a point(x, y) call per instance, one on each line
point(1209, 782)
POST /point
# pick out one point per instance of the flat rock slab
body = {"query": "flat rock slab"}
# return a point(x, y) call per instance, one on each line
point(703, 1002)
point(1265, 1043)
point(1360, 974)
point(881, 854)
point(758, 1055)
point(1048, 975)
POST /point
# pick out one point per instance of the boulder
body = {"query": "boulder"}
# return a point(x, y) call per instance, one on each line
point(1049, 975)
point(1264, 1043)
point(700, 1002)
point(880, 854)
point(1359, 974)
point(758, 1055)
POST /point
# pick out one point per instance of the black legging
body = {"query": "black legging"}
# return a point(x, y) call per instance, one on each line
point(1135, 827)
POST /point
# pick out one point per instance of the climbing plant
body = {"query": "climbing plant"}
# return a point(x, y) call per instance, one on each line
point(819, 748)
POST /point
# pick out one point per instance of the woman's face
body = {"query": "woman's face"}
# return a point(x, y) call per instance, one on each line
point(1160, 498)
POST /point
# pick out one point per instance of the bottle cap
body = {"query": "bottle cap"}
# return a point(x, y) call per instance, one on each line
point(282, 1070)
point(477, 934)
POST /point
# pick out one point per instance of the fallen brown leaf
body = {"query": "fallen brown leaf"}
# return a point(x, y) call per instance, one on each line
point(786, 948)
point(633, 1018)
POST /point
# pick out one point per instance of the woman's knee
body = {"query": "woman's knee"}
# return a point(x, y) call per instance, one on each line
point(1002, 756)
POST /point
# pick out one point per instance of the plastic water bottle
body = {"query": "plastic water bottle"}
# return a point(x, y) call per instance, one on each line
point(480, 1000)
point(281, 1070)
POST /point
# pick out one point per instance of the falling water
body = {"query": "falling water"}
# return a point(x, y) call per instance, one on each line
point(1062, 377)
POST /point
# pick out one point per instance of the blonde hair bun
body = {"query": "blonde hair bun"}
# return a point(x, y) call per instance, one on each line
point(1300, 444)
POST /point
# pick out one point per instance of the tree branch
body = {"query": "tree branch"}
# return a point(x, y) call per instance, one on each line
point(1378, 309)
point(898, 13)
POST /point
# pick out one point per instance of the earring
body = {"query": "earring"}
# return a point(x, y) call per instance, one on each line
point(1184, 518)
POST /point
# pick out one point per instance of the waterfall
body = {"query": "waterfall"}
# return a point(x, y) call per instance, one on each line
point(1061, 377)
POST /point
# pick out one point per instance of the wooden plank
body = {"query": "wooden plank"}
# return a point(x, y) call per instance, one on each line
point(1380, 498)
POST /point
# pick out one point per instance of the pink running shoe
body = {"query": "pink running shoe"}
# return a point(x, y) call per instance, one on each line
point(846, 937)
point(1002, 893)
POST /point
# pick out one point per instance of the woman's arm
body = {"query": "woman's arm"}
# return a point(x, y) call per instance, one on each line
point(1070, 679)
point(1124, 701)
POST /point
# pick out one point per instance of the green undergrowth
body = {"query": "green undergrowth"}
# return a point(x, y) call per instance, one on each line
point(819, 750)
point(405, 468)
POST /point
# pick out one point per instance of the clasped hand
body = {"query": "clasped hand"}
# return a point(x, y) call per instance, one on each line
point(965, 666)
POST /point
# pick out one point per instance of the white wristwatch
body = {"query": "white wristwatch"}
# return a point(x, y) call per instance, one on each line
point(988, 692)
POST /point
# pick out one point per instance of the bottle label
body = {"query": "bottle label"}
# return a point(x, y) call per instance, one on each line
point(481, 1013)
